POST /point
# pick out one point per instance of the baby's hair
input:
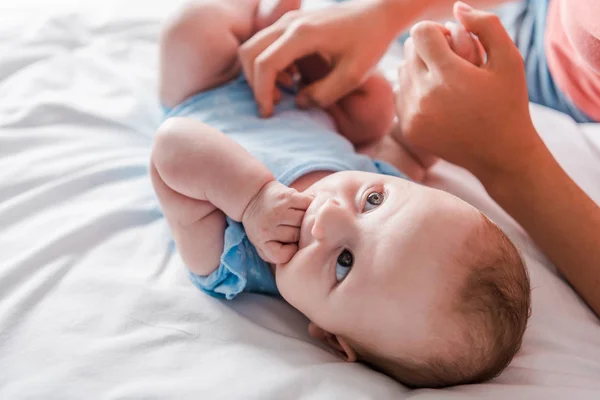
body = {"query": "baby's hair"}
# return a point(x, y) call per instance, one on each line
point(491, 313)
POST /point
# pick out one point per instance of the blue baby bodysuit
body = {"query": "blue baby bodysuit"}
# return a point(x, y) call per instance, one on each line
point(291, 143)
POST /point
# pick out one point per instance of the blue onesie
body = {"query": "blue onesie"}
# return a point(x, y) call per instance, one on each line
point(291, 144)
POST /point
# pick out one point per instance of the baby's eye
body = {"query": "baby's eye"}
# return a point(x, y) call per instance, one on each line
point(374, 200)
point(344, 264)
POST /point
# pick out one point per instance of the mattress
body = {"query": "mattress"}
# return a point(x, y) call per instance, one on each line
point(94, 298)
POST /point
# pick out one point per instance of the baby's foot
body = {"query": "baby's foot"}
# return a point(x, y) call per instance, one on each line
point(270, 11)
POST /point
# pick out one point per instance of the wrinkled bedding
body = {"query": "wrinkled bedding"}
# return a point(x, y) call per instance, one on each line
point(94, 299)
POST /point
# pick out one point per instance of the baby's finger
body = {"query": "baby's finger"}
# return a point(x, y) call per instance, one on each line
point(261, 254)
point(279, 253)
point(293, 218)
point(431, 45)
point(287, 234)
point(463, 43)
point(301, 201)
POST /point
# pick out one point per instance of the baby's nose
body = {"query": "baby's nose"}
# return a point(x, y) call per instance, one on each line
point(332, 221)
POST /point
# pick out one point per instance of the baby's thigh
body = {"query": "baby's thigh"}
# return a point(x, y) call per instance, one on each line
point(198, 48)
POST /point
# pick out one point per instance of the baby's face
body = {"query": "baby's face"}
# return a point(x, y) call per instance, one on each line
point(375, 257)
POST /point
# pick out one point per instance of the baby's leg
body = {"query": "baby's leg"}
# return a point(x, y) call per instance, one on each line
point(198, 47)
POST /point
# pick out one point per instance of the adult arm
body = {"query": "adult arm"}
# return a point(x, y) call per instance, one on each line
point(352, 37)
point(560, 217)
point(478, 118)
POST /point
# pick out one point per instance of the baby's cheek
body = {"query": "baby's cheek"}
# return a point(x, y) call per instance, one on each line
point(294, 282)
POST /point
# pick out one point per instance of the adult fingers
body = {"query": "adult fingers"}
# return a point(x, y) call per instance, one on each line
point(431, 44)
point(464, 44)
point(294, 43)
point(496, 42)
point(253, 47)
point(341, 80)
point(285, 78)
point(412, 58)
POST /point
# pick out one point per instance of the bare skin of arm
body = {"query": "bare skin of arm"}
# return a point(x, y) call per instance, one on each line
point(352, 37)
point(447, 109)
point(559, 216)
point(200, 176)
point(434, 9)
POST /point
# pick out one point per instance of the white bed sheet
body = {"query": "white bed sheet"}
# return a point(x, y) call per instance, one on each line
point(95, 303)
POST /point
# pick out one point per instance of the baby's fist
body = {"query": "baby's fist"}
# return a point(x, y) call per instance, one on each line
point(464, 44)
point(272, 221)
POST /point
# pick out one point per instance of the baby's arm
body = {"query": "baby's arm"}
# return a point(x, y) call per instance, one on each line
point(200, 175)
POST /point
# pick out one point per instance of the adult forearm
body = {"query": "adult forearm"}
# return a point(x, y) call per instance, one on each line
point(406, 12)
point(202, 163)
point(562, 220)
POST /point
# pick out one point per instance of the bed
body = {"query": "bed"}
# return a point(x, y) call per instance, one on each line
point(94, 299)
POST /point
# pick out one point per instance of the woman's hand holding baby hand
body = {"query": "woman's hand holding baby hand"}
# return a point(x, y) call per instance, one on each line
point(351, 37)
point(475, 117)
point(272, 221)
point(467, 47)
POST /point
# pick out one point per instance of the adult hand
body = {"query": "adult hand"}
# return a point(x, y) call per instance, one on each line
point(351, 37)
point(475, 117)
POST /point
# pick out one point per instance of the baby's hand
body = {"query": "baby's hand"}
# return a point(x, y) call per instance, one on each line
point(467, 47)
point(272, 221)
point(464, 44)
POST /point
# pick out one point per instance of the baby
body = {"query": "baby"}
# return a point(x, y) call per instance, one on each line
point(407, 279)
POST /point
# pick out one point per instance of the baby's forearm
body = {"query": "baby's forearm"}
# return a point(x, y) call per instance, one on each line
point(202, 163)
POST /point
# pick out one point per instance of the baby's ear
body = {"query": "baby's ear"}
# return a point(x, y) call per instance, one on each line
point(339, 345)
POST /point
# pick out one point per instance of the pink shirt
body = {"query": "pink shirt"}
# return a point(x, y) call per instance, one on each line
point(573, 51)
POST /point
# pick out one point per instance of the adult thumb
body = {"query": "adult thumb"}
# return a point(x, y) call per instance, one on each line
point(498, 45)
point(340, 81)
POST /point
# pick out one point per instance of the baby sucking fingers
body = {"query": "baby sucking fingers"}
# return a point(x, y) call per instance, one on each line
point(287, 234)
point(293, 218)
point(279, 253)
point(301, 201)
